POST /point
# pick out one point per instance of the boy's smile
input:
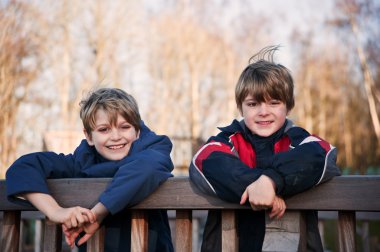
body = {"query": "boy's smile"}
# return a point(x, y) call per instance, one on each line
point(113, 142)
point(263, 118)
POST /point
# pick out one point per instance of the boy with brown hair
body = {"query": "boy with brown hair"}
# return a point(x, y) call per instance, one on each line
point(261, 158)
point(117, 145)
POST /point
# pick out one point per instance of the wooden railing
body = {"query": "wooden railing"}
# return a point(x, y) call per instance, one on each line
point(345, 194)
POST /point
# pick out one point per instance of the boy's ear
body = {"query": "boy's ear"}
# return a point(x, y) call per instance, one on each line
point(88, 137)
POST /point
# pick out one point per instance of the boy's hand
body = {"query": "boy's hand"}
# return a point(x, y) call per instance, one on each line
point(89, 227)
point(73, 216)
point(261, 193)
point(72, 233)
point(278, 208)
point(70, 217)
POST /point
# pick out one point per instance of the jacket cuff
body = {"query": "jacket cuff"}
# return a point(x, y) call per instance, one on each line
point(108, 204)
point(277, 179)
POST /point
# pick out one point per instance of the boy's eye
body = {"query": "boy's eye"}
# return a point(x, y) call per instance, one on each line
point(274, 102)
point(103, 129)
point(126, 126)
point(251, 104)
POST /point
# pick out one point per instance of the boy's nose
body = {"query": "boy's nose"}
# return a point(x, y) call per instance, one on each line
point(263, 109)
point(115, 135)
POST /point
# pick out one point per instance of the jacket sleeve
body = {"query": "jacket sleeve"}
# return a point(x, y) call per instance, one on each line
point(140, 173)
point(217, 170)
point(309, 162)
point(29, 173)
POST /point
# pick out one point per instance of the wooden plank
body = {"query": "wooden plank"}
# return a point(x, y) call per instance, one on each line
point(96, 242)
point(346, 231)
point(348, 193)
point(283, 234)
point(358, 193)
point(52, 236)
point(229, 236)
point(139, 231)
point(302, 246)
point(10, 234)
point(183, 230)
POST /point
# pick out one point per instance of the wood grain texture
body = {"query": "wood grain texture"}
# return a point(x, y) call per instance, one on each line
point(96, 242)
point(347, 231)
point(10, 234)
point(348, 193)
point(345, 194)
point(183, 230)
point(52, 237)
point(139, 231)
point(229, 237)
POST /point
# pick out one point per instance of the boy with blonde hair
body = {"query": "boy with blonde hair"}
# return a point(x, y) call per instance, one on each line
point(119, 145)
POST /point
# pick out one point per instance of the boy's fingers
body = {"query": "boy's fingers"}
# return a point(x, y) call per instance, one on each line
point(244, 197)
point(84, 239)
point(281, 214)
point(69, 241)
point(64, 228)
point(89, 216)
point(273, 213)
point(74, 222)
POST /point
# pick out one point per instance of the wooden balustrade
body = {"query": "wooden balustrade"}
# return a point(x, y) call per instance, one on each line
point(345, 194)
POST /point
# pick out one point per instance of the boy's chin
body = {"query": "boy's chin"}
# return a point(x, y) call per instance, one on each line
point(114, 157)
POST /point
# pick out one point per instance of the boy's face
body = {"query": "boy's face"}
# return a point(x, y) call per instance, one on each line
point(264, 118)
point(113, 142)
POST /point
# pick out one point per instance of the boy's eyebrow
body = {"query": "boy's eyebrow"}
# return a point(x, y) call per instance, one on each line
point(250, 99)
point(101, 124)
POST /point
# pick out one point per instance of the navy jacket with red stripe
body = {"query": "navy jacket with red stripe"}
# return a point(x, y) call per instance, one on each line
point(294, 159)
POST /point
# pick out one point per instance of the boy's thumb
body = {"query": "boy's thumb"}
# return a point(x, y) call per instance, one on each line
point(244, 198)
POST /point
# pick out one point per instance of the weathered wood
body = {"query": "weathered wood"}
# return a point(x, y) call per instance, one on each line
point(347, 231)
point(52, 237)
point(96, 242)
point(139, 231)
point(10, 234)
point(302, 246)
point(347, 193)
point(229, 238)
point(183, 231)
point(284, 234)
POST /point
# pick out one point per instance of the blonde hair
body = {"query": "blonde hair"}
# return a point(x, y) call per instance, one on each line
point(113, 101)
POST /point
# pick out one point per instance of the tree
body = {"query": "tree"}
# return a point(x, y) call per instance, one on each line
point(353, 12)
point(21, 45)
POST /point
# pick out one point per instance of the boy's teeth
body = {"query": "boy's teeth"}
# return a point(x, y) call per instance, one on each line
point(116, 147)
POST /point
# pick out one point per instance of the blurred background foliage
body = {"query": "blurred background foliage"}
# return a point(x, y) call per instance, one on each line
point(181, 60)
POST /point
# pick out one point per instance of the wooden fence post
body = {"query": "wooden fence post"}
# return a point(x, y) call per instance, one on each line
point(52, 236)
point(347, 230)
point(183, 230)
point(229, 236)
point(139, 231)
point(96, 242)
point(10, 236)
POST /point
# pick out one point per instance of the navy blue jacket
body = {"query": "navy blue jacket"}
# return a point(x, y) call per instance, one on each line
point(136, 176)
point(229, 162)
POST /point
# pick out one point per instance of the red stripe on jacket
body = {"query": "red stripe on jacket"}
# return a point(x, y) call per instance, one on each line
point(209, 148)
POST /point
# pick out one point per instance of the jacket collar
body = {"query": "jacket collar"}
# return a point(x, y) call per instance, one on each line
point(240, 127)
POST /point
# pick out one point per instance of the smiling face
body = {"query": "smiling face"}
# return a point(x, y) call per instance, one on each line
point(263, 118)
point(113, 142)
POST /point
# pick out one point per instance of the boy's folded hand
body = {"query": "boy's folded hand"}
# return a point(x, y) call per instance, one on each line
point(71, 234)
point(278, 208)
point(73, 216)
point(261, 194)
